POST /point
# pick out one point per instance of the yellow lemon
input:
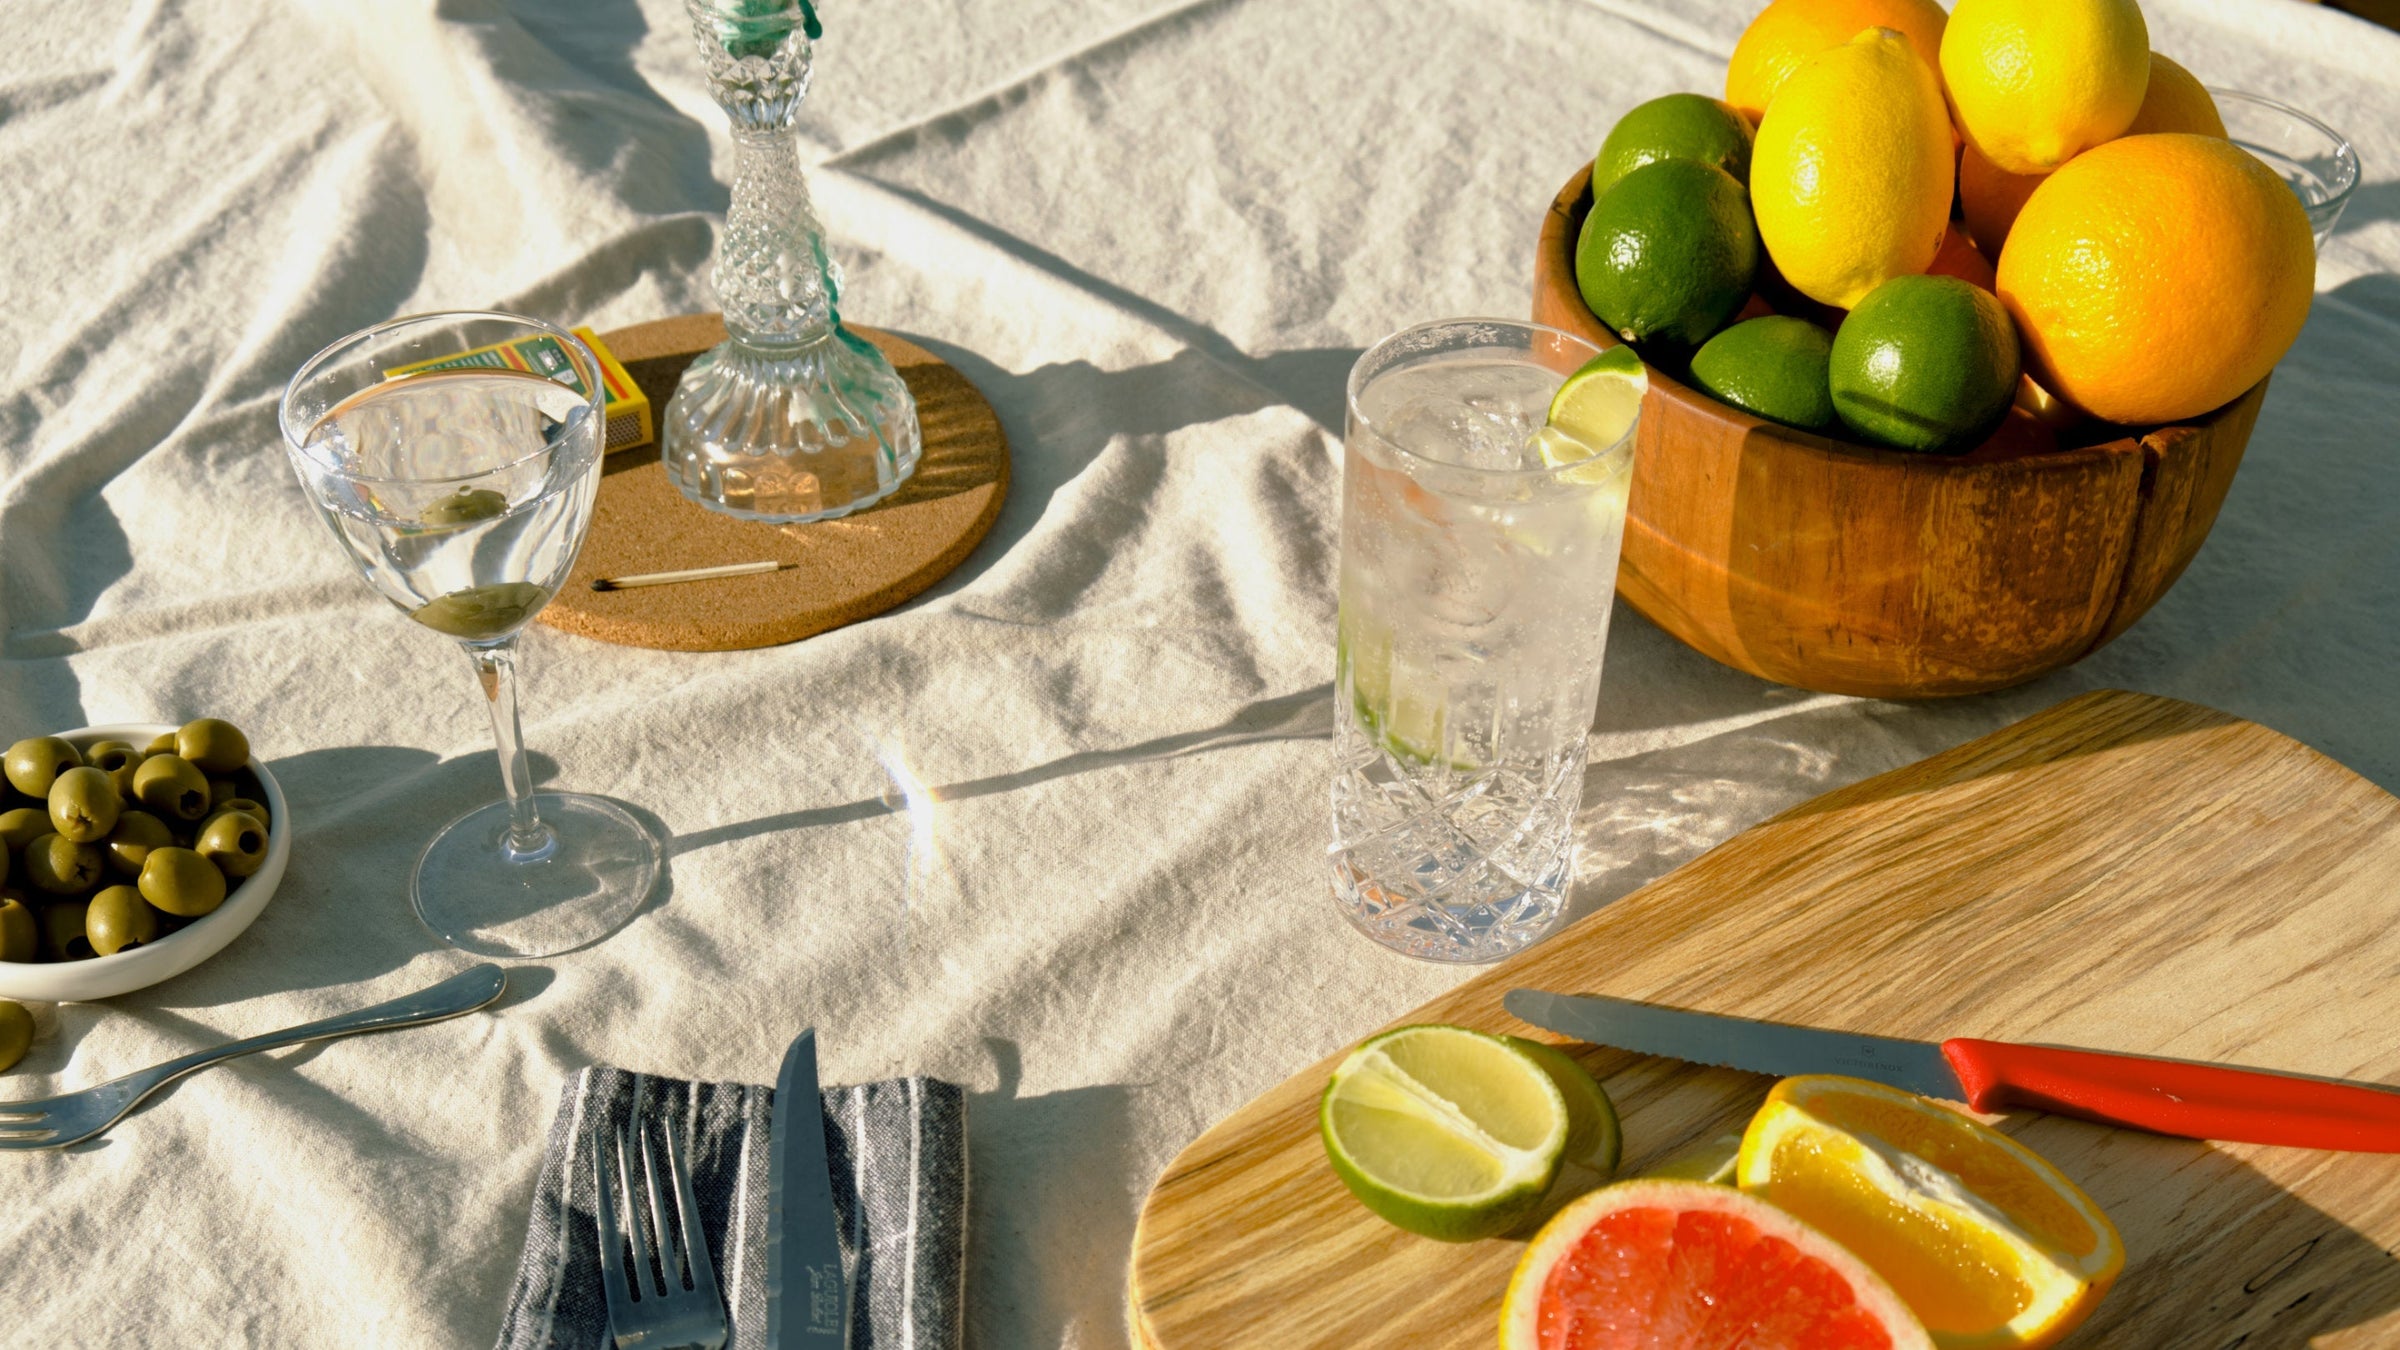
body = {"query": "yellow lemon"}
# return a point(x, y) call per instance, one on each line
point(1851, 173)
point(2033, 83)
point(1789, 32)
point(1984, 1240)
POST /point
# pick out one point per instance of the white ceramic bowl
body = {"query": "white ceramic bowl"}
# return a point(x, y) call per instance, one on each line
point(179, 951)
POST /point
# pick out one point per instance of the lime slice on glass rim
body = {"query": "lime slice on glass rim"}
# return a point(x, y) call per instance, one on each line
point(1593, 410)
point(1449, 1133)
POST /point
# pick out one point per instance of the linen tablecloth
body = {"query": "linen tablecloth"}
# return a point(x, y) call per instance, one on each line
point(1156, 235)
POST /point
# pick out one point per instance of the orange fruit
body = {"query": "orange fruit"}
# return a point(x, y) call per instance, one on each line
point(1990, 197)
point(1685, 1263)
point(2157, 277)
point(1789, 32)
point(1958, 258)
point(2044, 406)
point(2176, 101)
point(1988, 1244)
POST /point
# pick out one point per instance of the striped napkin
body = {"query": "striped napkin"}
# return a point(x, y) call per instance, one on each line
point(898, 1153)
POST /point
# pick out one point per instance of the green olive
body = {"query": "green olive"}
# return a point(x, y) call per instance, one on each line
point(117, 759)
point(119, 918)
point(482, 613)
point(63, 936)
point(33, 764)
point(60, 866)
point(235, 843)
point(465, 507)
point(172, 786)
point(16, 1033)
point(180, 881)
point(20, 936)
point(247, 806)
point(24, 825)
point(213, 745)
point(161, 744)
point(130, 843)
point(84, 804)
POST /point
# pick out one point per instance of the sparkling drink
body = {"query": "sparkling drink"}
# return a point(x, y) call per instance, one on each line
point(1479, 557)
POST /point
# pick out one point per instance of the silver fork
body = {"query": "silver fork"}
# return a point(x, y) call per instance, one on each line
point(657, 1312)
point(55, 1122)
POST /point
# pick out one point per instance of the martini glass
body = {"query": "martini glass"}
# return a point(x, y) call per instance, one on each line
point(456, 458)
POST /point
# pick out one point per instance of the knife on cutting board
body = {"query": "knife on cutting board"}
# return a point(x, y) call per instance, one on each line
point(2164, 1096)
point(808, 1298)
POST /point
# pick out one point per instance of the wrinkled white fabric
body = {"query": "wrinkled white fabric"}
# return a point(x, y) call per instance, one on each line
point(1156, 235)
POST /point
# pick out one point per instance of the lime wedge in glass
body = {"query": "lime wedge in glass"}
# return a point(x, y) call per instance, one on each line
point(1594, 408)
point(1449, 1133)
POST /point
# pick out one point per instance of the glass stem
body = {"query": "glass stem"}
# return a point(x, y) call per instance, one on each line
point(527, 839)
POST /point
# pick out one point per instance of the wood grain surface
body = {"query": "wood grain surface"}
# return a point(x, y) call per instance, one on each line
point(1853, 570)
point(847, 569)
point(2122, 872)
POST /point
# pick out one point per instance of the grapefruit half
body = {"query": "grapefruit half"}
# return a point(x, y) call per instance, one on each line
point(1700, 1267)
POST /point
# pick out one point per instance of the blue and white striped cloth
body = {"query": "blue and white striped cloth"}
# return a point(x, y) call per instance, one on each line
point(898, 1154)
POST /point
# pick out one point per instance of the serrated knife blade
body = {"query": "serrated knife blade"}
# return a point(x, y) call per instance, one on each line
point(808, 1297)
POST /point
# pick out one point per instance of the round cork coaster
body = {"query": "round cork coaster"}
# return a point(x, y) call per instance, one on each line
point(842, 570)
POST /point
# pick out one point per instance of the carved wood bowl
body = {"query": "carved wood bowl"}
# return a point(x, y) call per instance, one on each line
point(1853, 570)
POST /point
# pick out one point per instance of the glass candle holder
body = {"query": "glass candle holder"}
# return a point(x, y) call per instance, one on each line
point(793, 418)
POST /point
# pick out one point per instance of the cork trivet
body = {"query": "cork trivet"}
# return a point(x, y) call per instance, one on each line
point(847, 569)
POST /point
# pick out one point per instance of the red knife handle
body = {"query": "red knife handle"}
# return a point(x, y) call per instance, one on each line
point(2197, 1101)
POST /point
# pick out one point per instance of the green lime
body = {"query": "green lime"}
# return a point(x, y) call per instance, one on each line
point(1598, 404)
point(1925, 363)
point(1449, 1133)
point(1677, 126)
point(1594, 1139)
point(1668, 254)
point(1771, 366)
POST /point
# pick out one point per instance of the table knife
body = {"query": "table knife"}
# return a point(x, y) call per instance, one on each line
point(2164, 1096)
point(808, 1297)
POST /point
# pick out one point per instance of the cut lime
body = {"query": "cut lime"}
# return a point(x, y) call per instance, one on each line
point(1594, 408)
point(1594, 1140)
point(1449, 1133)
point(1401, 702)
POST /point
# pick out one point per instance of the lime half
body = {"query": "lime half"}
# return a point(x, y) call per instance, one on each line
point(1446, 1132)
point(1594, 1139)
point(1594, 408)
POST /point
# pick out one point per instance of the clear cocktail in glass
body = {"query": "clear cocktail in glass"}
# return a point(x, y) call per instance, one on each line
point(1478, 562)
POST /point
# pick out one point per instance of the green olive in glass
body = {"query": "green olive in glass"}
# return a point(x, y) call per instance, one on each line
point(119, 918)
point(20, 936)
point(161, 744)
point(63, 937)
point(60, 866)
point(235, 843)
point(129, 844)
point(84, 804)
point(33, 764)
point(180, 881)
point(16, 1033)
point(24, 825)
point(213, 745)
point(172, 786)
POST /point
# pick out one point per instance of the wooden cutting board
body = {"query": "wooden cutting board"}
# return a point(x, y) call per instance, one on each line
point(2122, 872)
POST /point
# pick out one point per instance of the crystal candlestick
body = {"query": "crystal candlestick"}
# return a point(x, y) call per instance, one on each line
point(794, 417)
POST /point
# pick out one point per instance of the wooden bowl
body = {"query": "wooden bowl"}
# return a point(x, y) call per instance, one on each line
point(1853, 570)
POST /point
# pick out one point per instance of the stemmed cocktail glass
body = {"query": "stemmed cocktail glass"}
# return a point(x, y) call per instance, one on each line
point(456, 457)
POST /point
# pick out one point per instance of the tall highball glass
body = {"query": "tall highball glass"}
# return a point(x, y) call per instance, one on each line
point(1478, 561)
point(456, 458)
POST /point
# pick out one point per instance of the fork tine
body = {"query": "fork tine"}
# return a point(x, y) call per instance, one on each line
point(695, 1242)
point(670, 1247)
point(11, 1111)
point(644, 1288)
point(612, 1242)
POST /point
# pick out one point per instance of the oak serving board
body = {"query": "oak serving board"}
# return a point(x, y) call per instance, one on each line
point(2121, 872)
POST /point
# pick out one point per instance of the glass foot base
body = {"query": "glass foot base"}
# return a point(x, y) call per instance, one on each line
point(600, 868)
point(1492, 925)
point(814, 433)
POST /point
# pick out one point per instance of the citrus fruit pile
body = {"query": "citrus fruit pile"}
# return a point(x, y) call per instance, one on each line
point(1848, 1214)
point(1898, 224)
